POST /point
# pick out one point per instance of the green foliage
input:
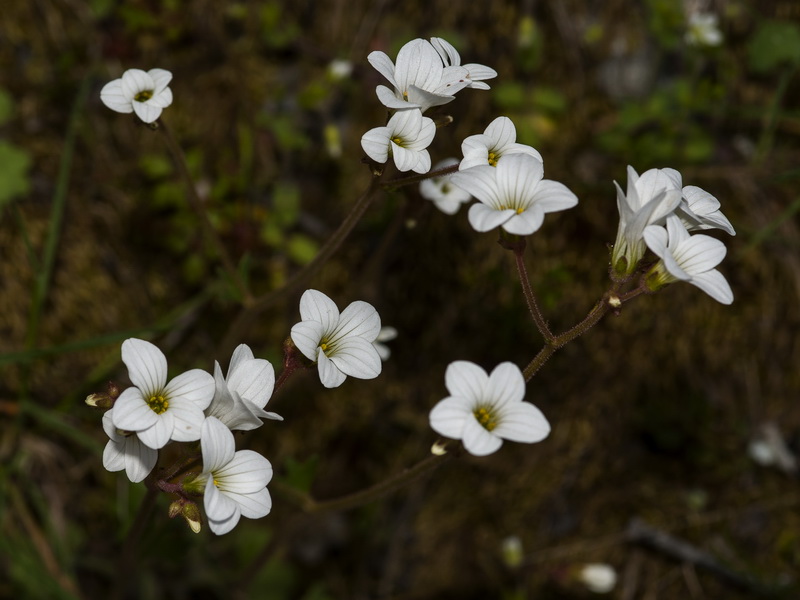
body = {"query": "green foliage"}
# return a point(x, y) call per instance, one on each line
point(775, 44)
point(666, 21)
point(14, 165)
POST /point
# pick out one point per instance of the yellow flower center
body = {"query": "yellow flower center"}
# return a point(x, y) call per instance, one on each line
point(485, 417)
point(398, 141)
point(493, 158)
point(159, 404)
point(216, 483)
point(143, 96)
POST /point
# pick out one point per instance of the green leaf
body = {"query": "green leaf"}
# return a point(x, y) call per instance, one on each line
point(14, 164)
point(301, 249)
point(6, 106)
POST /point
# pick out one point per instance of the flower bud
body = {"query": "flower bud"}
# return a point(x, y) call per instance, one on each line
point(101, 400)
point(439, 449)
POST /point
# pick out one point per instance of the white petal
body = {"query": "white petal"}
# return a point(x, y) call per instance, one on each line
point(240, 355)
point(522, 422)
point(253, 380)
point(656, 239)
point(307, 335)
point(316, 306)
point(404, 159)
point(135, 81)
point(356, 357)
point(131, 412)
point(478, 441)
point(390, 100)
point(483, 218)
point(188, 420)
point(553, 196)
point(418, 64)
point(114, 456)
point(383, 64)
point(526, 222)
point(423, 162)
point(161, 79)
point(329, 375)
point(226, 525)
point(359, 319)
point(217, 504)
point(506, 385)
point(448, 417)
point(523, 149)
point(446, 50)
point(139, 459)
point(246, 473)
point(160, 433)
point(375, 144)
point(254, 506)
point(425, 99)
point(147, 366)
point(114, 97)
point(161, 99)
point(502, 132)
point(518, 176)
point(699, 254)
point(465, 379)
point(478, 73)
point(195, 386)
point(715, 285)
point(217, 445)
point(108, 427)
point(146, 112)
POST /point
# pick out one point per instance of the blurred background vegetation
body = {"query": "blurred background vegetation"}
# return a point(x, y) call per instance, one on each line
point(652, 411)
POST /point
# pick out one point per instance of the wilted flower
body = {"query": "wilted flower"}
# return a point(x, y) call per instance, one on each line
point(145, 93)
point(687, 258)
point(513, 194)
point(447, 196)
point(406, 137)
point(482, 409)
point(340, 344)
point(156, 410)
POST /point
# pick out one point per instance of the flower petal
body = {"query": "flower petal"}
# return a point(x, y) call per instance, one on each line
point(139, 459)
point(484, 218)
point(114, 456)
point(383, 64)
point(467, 380)
point(131, 412)
point(217, 445)
point(188, 418)
point(147, 366)
point(218, 505)
point(359, 319)
point(522, 422)
point(478, 441)
point(113, 96)
point(715, 285)
point(526, 222)
point(161, 79)
point(253, 506)
point(246, 473)
point(357, 357)
point(329, 375)
point(135, 81)
point(160, 433)
point(553, 196)
point(502, 132)
point(506, 385)
point(316, 306)
point(195, 386)
point(253, 380)
point(448, 417)
point(146, 112)
point(307, 335)
point(375, 144)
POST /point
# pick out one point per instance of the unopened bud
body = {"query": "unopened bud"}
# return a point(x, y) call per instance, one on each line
point(191, 515)
point(113, 391)
point(100, 400)
point(614, 301)
point(439, 449)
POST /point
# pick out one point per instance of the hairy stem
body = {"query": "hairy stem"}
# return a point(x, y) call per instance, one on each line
point(533, 306)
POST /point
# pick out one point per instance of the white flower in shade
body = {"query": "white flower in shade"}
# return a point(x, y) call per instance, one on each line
point(599, 578)
point(341, 344)
point(145, 93)
point(124, 450)
point(703, 30)
point(700, 210)
point(235, 482)
point(476, 74)
point(499, 139)
point(687, 258)
point(405, 137)
point(648, 200)
point(447, 196)
point(340, 68)
point(482, 409)
point(386, 334)
point(156, 410)
point(513, 194)
point(240, 399)
point(419, 78)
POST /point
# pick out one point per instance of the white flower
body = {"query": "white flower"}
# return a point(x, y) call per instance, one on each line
point(340, 68)
point(239, 400)
point(386, 334)
point(700, 210)
point(126, 451)
point(497, 140)
point(703, 30)
point(406, 137)
point(341, 344)
point(687, 258)
point(649, 199)
point(155, 410)
point(146, 94)
point(513, 194)
point(419, 78)
point(475, 73)
point(599, 578)
point(447, 197)
point(482, 409)
point(235, 482)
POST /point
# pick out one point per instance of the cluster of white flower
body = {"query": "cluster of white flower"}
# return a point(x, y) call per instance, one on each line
point(657, 213)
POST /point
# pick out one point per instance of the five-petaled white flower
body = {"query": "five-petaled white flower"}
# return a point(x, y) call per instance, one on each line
point(513, 194)
point(145, 93)
point(649, 200)
point(240, 398)
point(156, 410)
point(235, 482)
point(419, 78)
point(406, 137)
point(447, 196)
point(482, 409)
point(703, 30)
point(498, 139)
point(124, 450)
point(341, 344)
point(476, 74)
point(687, 258)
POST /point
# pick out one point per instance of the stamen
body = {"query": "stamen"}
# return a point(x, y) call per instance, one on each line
point(398, 141)
point(143, 96)
point(493, 158)
point(485, 418)
point(159, 404)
